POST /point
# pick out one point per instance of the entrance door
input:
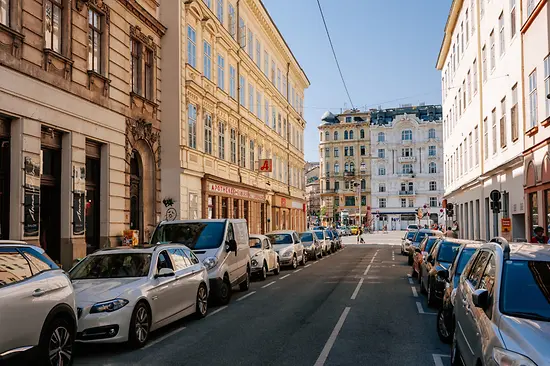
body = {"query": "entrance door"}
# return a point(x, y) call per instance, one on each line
point(50, 203)
point(4, 188)
point(136, 212)
point(92, 204)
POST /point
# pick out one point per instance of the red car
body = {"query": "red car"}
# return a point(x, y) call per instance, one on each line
point(421, 253)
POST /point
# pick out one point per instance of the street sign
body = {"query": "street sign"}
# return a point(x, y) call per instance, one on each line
point(265, 165)
point(506, 225)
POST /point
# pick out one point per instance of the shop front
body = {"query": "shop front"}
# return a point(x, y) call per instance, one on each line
point(537, 195)
point(288, 213)
point(222, 200)
point(4, 179)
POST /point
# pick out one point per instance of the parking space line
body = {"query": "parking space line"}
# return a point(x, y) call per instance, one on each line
point(354, 295)
point(285, 276)
point(298, 270)
point(269, 284)
point(438, 359)
point(160, 339)
point(330, 342)
point(217, 311)
point(307, 265)
point(421, 309)
point(415, 294)
point(366, 270)
point(245, 296)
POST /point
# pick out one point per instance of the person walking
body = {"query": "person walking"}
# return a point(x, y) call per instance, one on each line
point(539, 237)
point(360, 235)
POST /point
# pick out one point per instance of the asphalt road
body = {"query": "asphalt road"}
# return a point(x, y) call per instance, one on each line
point(355, 307)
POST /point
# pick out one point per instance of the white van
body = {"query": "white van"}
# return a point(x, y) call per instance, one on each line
point(222, 245)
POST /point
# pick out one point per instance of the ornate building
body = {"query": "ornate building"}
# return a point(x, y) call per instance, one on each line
point(80, 109)
point(234, 96)
point(313, 193)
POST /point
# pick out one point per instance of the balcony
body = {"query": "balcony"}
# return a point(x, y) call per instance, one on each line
point(406, 159)
point(406, 142)
point(349, 174)
point(406, 175)
point(407, 193)
point(432, 157)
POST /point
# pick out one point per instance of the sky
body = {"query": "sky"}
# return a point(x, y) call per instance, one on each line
point(387, 50)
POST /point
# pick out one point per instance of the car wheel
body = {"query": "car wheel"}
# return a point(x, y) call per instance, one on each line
point(245, 285)
point(304, 259)
point(202, 301)
point(140, 324)
point(263, 272)
point(444, 330)
point(294, 262)
point(224, 291)
point(277, 268)
point(56, 343)
point(456, 358)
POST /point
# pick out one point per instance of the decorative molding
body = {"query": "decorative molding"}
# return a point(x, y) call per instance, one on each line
point(97, 4)
point(15, 46)
point(142, 14)
point(51, 58)
point(148, 41)
point(93, 76)
point(141, 129)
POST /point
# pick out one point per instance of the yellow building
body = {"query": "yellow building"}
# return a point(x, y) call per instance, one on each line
point(232, 94)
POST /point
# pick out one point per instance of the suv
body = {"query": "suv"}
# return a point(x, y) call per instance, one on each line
point(37, 305)
point(501, 308)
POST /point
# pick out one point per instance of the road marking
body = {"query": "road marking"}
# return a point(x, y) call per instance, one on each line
point(366, 270)
point(315, 262)
point(217, 311)
point(158, 340)
point(415, 294)
point(245, 296)
point(285, 276)
point(307, 265)
point(421, 309)
point(411, 281)
point(438, 359)
point(269, 284)
point(357, 289)
point(298, 270)
point(330, 342)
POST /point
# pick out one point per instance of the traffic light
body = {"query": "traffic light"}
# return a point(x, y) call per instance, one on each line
point(496, 205)
point(450, 211)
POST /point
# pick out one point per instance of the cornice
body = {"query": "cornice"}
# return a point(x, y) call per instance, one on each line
point(140, 12)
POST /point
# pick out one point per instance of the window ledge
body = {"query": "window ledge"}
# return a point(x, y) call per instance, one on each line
point(58, 64)
point(532, 131)
point(99, 81)
point(16, 44)
point(546, 122)
point(145, 104)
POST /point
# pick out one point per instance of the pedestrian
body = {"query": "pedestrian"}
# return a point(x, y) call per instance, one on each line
point(451, 234)
point(359, 235)
point(539, 237)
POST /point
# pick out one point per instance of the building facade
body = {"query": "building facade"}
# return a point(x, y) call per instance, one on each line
point(345, 167)
point(536, 92)
point(234, 96)
point(80, 110)
point(482, 89)
point(313, 194)
point(407, 166)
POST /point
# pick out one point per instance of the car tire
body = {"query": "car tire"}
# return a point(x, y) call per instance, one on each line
point(201, 307)
point(444, 330)
point(57, 332)
point(456, 358)
point(263, 272)
point(224, 291)
point(245, 285)
point(140, 326)
point(294, 262)
point(277, 269)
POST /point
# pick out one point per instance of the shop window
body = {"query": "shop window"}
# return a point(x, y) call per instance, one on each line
point(246, 212)
point(211, 207)
point(225, 203)
point(235, 209)
point(534, 209)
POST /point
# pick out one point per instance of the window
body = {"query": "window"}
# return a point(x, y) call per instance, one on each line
point(284, 91)
point(346, 135)
point(494, 129)
point(219, 10)
point(431, 151)
point(207, 60)
point(327, 135)
point(53, 25)
point(513, 25)
point(336, 186)
point(250, 97)
point(242, 91)
point(485, 138)
point(476, 144)
point(273, 71)
point(363, 150)
point(382, 202)
point(266, 110)
point(279, 80)
point(471, 151)
point(474, 76)
point(191, 46)
point(433, 186)
point(431, 133)
point(208, 134)
point(5, 12)
point(382, 187)
point(432, 168)
point(351, 135)
point(242, 146)
point(381, 170)
point(221, 140)
point(467, 21)
point(381, 137)
point(547, 83)
point(266, 63)
point(252, 158)
point(336, 168)
point(362, 134)
point(433, 202)
point(407, 169)
point(250, 44)
point(232, 85)
point(136, 67)
point(406, 135)
point(531, 6)
point(233, 142)
point(258, 54)
point(514, 113)
point(14, 267)
point(274, 117)
point(403, 202)
point(335, 135)
point(351, 151)
point(149, 75)
point(242, 33)
point(192, 125)
point(327, 152)
point(348, 119)
point(94, 39)
point(502, 40)
point(232, 21)
point(493, 51)
point(503, 123)
point(259, 105)
point(208, 3)
point(221, 72)
point(350, 201)
point(484, 63)
point(382, 153)
point(533, 99)
point(336, 152)
point(406, 152)
point(476, 268)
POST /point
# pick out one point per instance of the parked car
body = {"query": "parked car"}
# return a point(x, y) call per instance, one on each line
point(344, 231)
point(440, 258)
point(353, 230)
point(418, 237)
point(501, 309)
point(320, 228)
point(324, 239)
point(413, 227)
point(332, 246)
point(421, 253)
point(221, 245)
point(406, 241)
point(445, 323)
point(124, 293)
point(37, 307)
point(288, 246)
point(312, 245)
point(337, 240)
point(263, 257)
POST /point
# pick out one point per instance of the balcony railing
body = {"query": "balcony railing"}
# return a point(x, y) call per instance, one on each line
point(406, 175)
point(432, 156)
point(406, 159)
point(407, 193)
point(406, 142)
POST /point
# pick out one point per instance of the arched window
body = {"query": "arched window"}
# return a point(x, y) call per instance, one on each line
point(431, 133)
point(345, 135)
point(407, 168)
point(406, 135)
point(432, 168)
point(351, 135)
point(382, 187)
point(381, 137)
point(352, 167)
point(335, 135)
point(346, 167)
point(411, 186)
point(362, 134)
point(327, 136)
point(381, 170)
point(336, 168)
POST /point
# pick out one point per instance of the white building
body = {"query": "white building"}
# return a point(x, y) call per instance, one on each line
point(406, 166)
point(480, 62)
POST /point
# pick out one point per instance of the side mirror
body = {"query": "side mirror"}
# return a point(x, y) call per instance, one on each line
point(430, 258)
point(417, 250)
point(480, 298)
point(165, 272)
point(232, 246)
point(443, 273)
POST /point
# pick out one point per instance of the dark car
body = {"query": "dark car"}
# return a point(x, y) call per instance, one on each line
point(337, 239)
point(440, 258)
point(445, 324)
point(415, 242)
point(330, 235)
point(421, 253)
point(312, 246)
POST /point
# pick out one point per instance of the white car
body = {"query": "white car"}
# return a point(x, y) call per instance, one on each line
point(325, 241)
point(289, 247)
point(263, 258)
point(123, 294)
point(37, 306)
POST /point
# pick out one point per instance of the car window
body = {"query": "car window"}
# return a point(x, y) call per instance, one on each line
point(306, 236)
point(296, 238)
point(39, 262)
point(230, 232)
point(266, 244)
point(477, 269)
point(411, 234)
point(435, 249)
point(423, 243)
point(280, 238)
point(254, 243)
point(430, 244)
point(164, 261)
point(179, 259)
point(447, 252)
point(112, 265)
point(13, 267)
point(191, 256)
point(465, 256)
point(488, 282)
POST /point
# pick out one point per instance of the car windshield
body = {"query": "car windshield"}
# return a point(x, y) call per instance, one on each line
point(306, 236)
point(280, 238)
point(411, 234)
point(319, 235)
point(329, 234)
point(463, 260)
point(526, 289)
point(431, 241)
point(419, 236)
point(255, 243)
point(413, 226)
point(447, 252)
point(112, 266)
point(195, 235)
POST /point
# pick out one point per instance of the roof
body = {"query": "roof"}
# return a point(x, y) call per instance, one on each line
point(454, 12)
point(257, 236)
point(281, 232)
point(528, 251)
point(14, 242)
point(463, 241)
point(134, 249)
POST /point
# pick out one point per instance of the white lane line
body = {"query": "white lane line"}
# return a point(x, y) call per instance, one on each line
point(298, 270)
point(245, 296)
point(315, 262)
point(285, 276)
point(269, 284)
point(438, 359)
point(366, 270)
point(330, 342)
point(411, 281)
point(158, 340)
point(307, 265)
point(415, 294)
point(217, 311)
point(354, 295)
point(421, 309)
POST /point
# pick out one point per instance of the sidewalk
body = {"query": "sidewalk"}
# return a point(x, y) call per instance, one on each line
point(389, 238)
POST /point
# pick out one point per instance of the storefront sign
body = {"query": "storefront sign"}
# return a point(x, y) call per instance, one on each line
point(32, 174)
point(236, 192)
point(78, 213)
point(32, 212)
point(297, 205)
point(265, 165)
point(506, 224)
point(283, 202)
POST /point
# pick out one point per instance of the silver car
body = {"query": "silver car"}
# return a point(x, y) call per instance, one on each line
point(288, 246)
point(502, 308)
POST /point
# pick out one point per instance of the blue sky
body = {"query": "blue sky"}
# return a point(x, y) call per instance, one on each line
point(387, 50)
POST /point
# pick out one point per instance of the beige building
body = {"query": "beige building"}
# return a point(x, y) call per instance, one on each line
point(79, 122)
point(344, 152)
point(232, 94)
point(313, 193)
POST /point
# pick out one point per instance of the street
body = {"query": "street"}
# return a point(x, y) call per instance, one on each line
point(355, 307)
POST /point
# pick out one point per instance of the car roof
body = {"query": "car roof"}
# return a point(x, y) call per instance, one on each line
point(528, 251)
point(135, 249)
point(257, 236)
point(462, 241)
point(19, 243)
point(198, 220)
point(281, 232)
point(430, 231)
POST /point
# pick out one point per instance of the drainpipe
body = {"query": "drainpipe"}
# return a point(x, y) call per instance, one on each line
point(238, 82)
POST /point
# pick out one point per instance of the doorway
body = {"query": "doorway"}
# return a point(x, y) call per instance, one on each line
point(4, 188)
point(136, 213)
point(92, 210)
point(50, 201)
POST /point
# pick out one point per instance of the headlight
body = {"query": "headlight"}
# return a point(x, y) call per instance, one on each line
point(254, 262)
point(288, 253)
point(210, 262)
point(508, 358)
point(108, 306)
